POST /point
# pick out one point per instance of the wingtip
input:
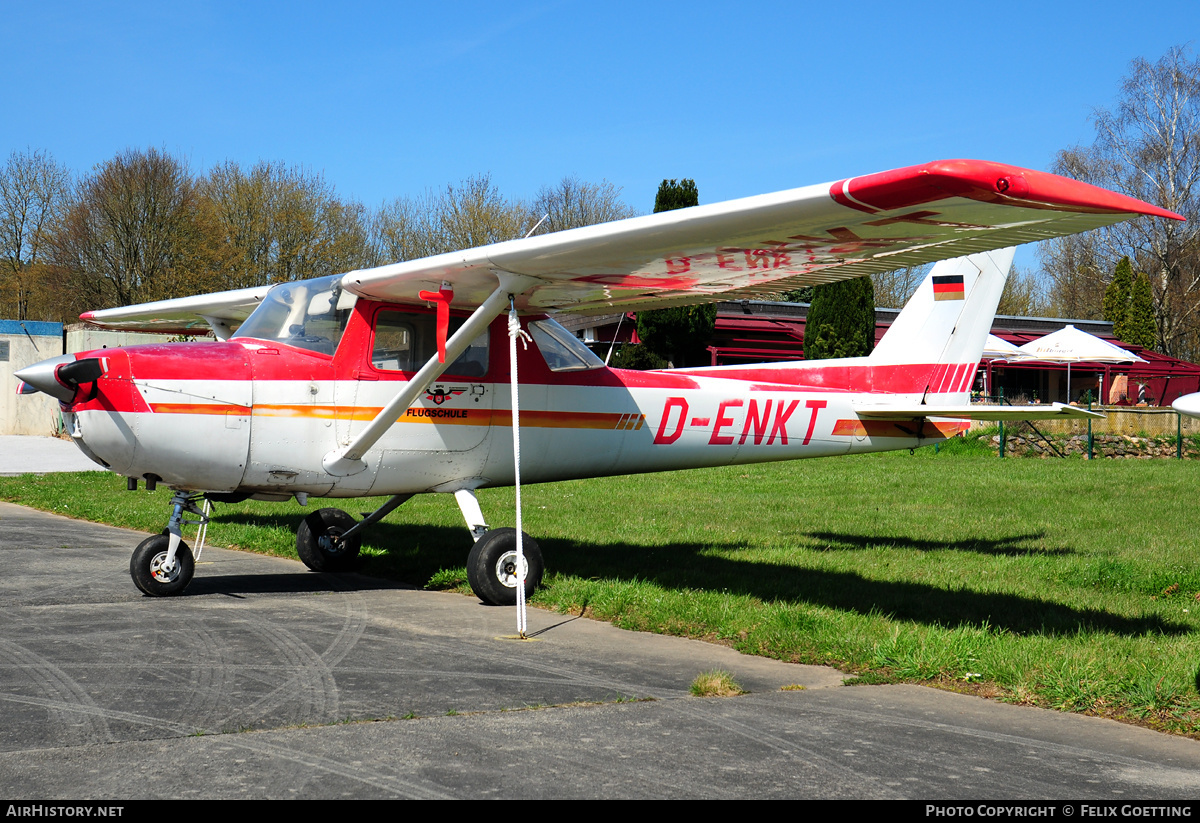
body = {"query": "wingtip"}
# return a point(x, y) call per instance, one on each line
point(985, 181)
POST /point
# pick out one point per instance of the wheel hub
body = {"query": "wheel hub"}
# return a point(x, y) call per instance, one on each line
point(506, 569)
point(161, 572)
point(330, 543)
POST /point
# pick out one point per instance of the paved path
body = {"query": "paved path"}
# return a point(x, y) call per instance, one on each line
point(20, 454)
point(265, 680)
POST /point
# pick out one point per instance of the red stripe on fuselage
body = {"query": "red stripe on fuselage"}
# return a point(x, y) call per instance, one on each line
point(904, 378)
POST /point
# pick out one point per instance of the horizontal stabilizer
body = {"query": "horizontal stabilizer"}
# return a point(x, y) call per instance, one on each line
point(1051, 411)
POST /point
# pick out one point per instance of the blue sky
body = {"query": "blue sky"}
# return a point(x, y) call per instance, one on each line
point(390, 99)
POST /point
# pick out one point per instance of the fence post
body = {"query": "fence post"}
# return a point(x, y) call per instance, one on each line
point(1089, 425)
point(1001, 390)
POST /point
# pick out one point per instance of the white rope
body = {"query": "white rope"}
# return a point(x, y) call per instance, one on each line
point(202, 532)
point(515, 332)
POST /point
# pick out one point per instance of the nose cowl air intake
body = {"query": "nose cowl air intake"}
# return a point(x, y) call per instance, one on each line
point(60, 377)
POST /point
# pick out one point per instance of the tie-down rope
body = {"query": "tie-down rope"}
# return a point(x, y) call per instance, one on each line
point(515, 332)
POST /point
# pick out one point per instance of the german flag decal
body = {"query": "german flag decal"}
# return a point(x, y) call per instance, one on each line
point(948, 287)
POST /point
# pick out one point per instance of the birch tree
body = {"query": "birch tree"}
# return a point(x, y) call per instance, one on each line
point(1148, 147)
point(33, 193)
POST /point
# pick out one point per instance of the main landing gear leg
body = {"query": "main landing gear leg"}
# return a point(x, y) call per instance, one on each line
point(492, 563)
point(162, 565)
point(328, 540)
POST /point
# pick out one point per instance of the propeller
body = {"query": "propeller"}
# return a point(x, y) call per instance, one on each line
point(60, 377)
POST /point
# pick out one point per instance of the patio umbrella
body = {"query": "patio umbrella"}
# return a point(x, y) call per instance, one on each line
point(1070, 345)
point(997, 349)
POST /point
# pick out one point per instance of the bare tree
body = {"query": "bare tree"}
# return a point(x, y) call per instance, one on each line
point(285, 223)
point(574, 203)
point(1075, 278)
point(1149, 148)
point(893, 288)
point(1023, 295)
point(138, 230)
point(402, 230)
point(33, 194)
point(474, 213)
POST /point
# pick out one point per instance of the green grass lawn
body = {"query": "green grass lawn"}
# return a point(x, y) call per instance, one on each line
point(1062, 583)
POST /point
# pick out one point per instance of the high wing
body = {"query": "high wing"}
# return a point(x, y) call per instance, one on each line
point(770, 243)
point(222, 311)
point(752, 247)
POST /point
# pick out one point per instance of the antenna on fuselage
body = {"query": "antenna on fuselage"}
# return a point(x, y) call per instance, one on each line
point(616, 334)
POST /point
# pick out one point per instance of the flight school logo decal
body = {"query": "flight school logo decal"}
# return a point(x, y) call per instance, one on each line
point(440, 394)
point(948, 287)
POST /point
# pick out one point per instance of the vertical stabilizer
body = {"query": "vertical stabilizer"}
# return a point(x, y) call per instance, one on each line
point(942, 329)
point(948, 318)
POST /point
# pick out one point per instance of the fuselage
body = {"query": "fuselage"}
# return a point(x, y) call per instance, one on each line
point(255, 416)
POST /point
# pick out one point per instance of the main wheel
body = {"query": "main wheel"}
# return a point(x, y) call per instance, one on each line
point(317, 545)
point(492, 567)
point(146, 567)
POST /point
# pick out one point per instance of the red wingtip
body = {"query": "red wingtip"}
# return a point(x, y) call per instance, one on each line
point(988, 182)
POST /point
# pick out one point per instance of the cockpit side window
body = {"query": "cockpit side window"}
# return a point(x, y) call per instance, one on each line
point(562, 350)
point(406, 341)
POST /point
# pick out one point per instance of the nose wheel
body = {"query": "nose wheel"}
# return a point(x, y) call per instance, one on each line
point(163, 565)
point(157, 574)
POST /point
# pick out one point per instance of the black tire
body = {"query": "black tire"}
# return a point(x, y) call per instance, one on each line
point(317, 550)
point(144, 567)
point(491, 564)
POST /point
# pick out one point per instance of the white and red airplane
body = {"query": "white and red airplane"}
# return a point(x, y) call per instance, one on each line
point(1188, 404)
point(397, 380)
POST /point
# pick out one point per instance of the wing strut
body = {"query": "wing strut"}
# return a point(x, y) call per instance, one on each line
point(348, 460)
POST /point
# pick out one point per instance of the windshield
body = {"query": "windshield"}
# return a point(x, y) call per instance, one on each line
point(309, 314)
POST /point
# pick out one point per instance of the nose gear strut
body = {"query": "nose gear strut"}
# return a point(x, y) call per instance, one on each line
point(163, 565)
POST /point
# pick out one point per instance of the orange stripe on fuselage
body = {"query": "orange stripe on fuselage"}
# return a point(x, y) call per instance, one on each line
point(897, 428)
point(421, 414)
point(198, 408)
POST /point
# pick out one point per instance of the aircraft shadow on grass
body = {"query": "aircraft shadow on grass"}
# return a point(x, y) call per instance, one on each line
point(1017, 545)
point(414, 553)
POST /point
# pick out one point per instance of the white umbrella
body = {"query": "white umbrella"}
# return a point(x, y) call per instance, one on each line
point(1070, 345)
point(996, 348)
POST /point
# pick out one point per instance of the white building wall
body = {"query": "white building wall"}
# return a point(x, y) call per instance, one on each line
point(28, 413)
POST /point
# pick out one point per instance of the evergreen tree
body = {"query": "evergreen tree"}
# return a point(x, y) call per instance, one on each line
point(1139, 320)
point(841, 320)
point(676, 195)
point(678, 335)
point(804, 295)
point(1116, 296)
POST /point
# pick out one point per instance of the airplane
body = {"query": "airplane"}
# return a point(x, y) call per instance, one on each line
point(395, 381)
point(1188, 404)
